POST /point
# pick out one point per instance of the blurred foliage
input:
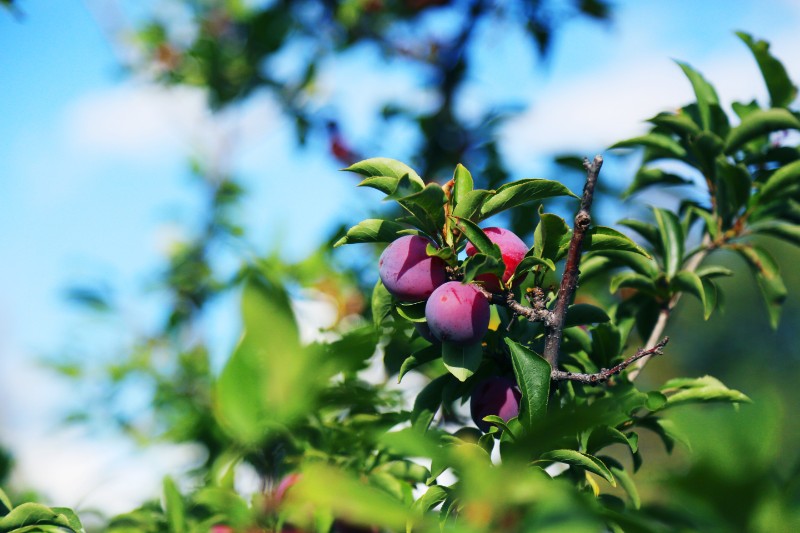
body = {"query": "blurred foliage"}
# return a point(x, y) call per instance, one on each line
point(337, 452)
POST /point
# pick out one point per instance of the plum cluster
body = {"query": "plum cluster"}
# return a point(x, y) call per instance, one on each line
point(455, 312)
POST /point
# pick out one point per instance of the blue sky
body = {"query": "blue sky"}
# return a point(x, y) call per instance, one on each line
point(93, 180)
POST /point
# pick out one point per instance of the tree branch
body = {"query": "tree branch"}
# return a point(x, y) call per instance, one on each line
point(554, 324)
point(606, 373)
point(537, 313)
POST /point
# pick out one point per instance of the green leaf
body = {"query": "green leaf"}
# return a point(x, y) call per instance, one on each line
point(686, 281)
point(680, 123)
point(648, 176)
point(784, 180)
point(384, 174)
point(606, 344)
point(257, 386)
point(71, 516)
point(27, 515)
point(521, 192)
point(711, 297)
point(471, 202)
point(777, 228)
point(633, 280)
point(671, 234)
point(713, 271)
point(420, 357)
point(462, 183)
point(432, 497)
point(427, 206)
point(700, 390)
point(372, 230)
point(533, 377)
point(428, 402)
point(413, 312)
point(551, 237)
point(530, 262)
point(768, 277)
point(705, 94)
point(582, 460)
point(782, 91)
point(477, 237)
point(5, 503)
point(627, 484)
point(582, 314)
point(500, 423)
point(646, 230)
point(663, 143)
point(462, 360)
point(381, 304)
point(601, 238)
point(482, 264)
point(733, 190)
point(603, 436)
point(758, 123)
point(632, 260)
point(173, 507)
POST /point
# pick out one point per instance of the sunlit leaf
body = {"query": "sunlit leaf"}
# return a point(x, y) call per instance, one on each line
point(671, 234)
point(381, 304)
point(551, 237)
point(601, 238)
point(384, 174)
point(663, 143)
point(372, 230)
point(173, 507)
point(758, 123)
point(521, 192)
point(463, 184)
point(26, 516)
point(533, 377)
point(462, 360)
point(582, 460)
point(783, 181)
point(700, 390)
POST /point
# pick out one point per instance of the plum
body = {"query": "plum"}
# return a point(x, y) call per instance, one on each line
point(408, 272)
point(457, 313)
point(512, 248)
point(495, 396)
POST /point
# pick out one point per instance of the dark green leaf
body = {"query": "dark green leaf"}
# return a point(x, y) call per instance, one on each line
point(705, 93)
point(478, 238)
point(427, 206)
point(428, 402)
point(533, 377)
point(680, 123)
point(606, 344)
point(425, 355)
point(781, 182)
point(758, 123)
point(603, 436)
point(633, 280)
point(686, 281)
point(671, 233)
point(520, 192)
point(582, 460)
point(583, 314)
point(5, 503)
point(776, 228)
point(482, 264)
point(633, 260)
point(782, 91)
point(710, 301)
point(413, 312)
point(768, 277)
point(733, 190)
point(372, 230)
point(646, 230)
point(530, 262)
point(649, 176)
point(462, 360)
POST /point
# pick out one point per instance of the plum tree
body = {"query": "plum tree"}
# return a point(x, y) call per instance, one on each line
point(408, 272)
point(457, 313)
point(498, 396)
point(512, 248)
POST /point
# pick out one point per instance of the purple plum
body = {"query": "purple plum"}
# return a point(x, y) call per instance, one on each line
point(457, 313)
point(512, 248)
point(408, 272)
point(495, 396)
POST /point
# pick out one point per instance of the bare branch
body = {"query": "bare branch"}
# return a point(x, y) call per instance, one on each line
point(537, 313)
point(569, 282)
point(606, 373)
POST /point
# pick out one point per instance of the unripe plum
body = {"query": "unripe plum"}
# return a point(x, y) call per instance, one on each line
point(408, 272)
point(495, 396)
point(457, 313)
point(512, 249)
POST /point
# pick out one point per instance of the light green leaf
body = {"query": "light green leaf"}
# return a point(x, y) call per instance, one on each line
point(533, 377)
point(786, 231)
point(710, 302)
point(432, 497)
point(671, 233)
point(500, 423)
point(462, 183)
point(685, 281)
point(478, 238)
point(520, 192)
point(551, 237)
point(373, 230)
point(713, 271)
point(173, 507)
point(582, 460)
point(462, 360)
point(700, 390)
point(470, 203)
point(758, 123)
point(601, 238)
point(627, 484)
point(27, 515)
point(381, 304)
point(384, 174)
point(663, 143)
